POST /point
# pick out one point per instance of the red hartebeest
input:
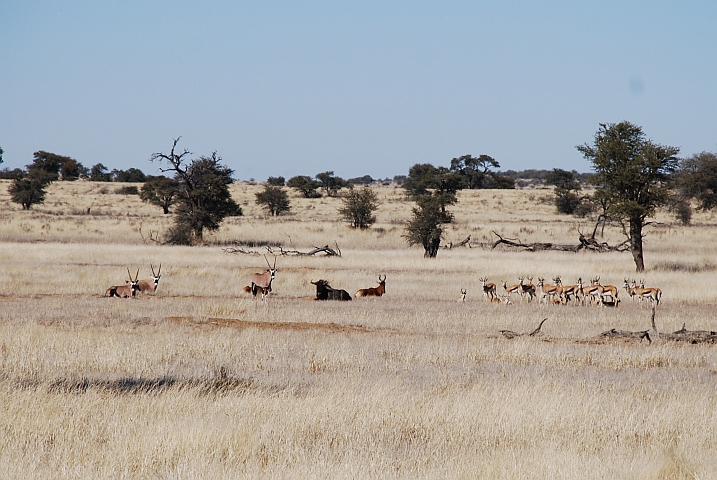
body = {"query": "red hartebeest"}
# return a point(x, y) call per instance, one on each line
point(261, 282)
point(150, 286)
point(374, 291)
point(129, 289)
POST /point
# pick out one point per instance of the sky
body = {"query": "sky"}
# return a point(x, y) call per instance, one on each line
point(358, 88)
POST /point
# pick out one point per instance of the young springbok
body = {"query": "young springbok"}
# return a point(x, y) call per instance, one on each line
point(488, 289)
point(129, 289)
point(150, 286)
point(374, 291)
point(261, 282)
point(462, 298)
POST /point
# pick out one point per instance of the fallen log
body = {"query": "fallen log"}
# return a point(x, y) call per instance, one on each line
point(585, 244)
point(509, 334)
point(328, 251)
point(691, 336)
point(462, 243)
point(626, 335)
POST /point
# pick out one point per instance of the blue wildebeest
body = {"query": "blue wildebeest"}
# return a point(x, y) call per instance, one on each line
point(324, 291)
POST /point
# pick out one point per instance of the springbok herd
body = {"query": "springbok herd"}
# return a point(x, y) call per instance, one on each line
point(554, 294)
point(559, 294)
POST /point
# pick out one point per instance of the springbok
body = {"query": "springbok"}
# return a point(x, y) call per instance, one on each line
point(374, 291)
point(652, 294)
point(504, 299)
point(527, 288)
point(510, 289)
point(150, 286)
point(547, 291)
point(488, 289)
point(261, 282)
point(566, 291)
point(129, 289)
point(630, 290)
point(611, 291)
point(592, 292)
point(324, 291)
point(462, 298)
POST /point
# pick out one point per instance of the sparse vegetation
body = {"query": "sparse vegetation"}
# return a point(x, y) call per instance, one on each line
point(199, 380)
point(274, 200)
point(359, 206)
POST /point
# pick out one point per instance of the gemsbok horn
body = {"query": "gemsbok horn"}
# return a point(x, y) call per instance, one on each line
point(261, 282)
point(150, 286)
point(129, 289)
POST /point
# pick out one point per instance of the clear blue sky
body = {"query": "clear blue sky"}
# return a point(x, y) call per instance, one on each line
point(297, 88)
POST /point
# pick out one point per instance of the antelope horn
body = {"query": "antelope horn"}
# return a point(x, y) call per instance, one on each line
point(136, 277)
point(267, 261)
point(130, 275)
point(152, 267)
point(160, 269)
point(274, 267)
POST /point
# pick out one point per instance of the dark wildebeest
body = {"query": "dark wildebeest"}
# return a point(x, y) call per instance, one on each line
point(325, 292)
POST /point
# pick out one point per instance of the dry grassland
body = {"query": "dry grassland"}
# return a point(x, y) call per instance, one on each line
point(201, 381)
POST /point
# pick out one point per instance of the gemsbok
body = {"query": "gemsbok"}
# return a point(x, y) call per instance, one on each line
point(374, 291)
point(488, 289)
point(261, 282)
point(462, 298)
point(129, 289)
point(324, 291)
point(150, 286)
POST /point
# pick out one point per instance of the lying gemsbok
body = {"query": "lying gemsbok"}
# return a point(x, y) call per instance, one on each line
point(374, 291)
point(324, 291)
point(150, 286)
point(261, 282)
point(129, 289)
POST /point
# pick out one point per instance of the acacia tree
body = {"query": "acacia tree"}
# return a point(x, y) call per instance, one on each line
point(631, 172)
point(358, 207)
point(330, 183)
point(203, 198)
point(28, 190)
point(159, 191)
point(274, 199)
point(426, 225)
point(697, 178)
point(305, 185)
point(476, 171)
point(566, 188)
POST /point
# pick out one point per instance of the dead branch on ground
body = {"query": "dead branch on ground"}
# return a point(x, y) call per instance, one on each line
point(280, 251)
point(509, 334)
point(463, 243)
point(152, 236)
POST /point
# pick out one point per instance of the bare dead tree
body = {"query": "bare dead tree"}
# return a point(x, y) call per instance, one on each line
point(509, 334)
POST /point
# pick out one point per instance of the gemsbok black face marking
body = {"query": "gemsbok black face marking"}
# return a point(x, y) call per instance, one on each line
point(261, 282)
point(150, 286)
point(129, 289)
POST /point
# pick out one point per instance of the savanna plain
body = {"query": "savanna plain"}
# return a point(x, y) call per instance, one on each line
point(199, 380)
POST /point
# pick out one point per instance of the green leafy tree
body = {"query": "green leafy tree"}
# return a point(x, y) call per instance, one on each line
point(440, 183)
point(1, 152)
point(566, 190)
point(633, 173)
point(98, 173)
point(274, 199)
point(304, 184)
point(420, 178)
point(15, 173)
point(48, 166)
point(131, 175)
point(330, 183)
point(276, 181)
point(203, 197)
point(359, 205)
point(476, 171)
point(426, 225)
point(160, 191)
point(71, 170)
point(697, 179)
point(27, 191)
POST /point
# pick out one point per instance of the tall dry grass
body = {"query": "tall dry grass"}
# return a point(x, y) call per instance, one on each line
point(201, 381)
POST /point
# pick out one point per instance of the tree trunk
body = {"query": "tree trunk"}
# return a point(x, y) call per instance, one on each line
point(431, 246)
point(198, 234)
point(636, 243)
point(166, 209)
